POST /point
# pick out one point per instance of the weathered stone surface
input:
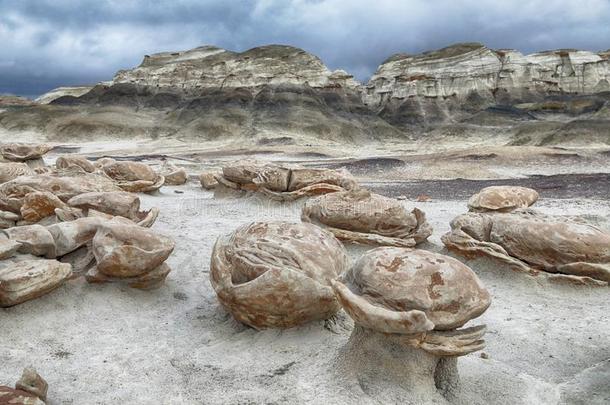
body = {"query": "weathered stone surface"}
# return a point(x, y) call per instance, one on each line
point(11, 396)
point(303, 177)
point(33, 383)
point(69, 236)
point(134, 176)
point(277, 274)
point(66, 161)
point(211, 67)
point(64, 184)
point(254, 175)
point(33, 239)
point(21, 152)
point(74, 91)
point(21, 281)
point(120, 203)
point(12, 170)
point(406, 305)
point(559, 248)
point(462, 70)
point(208, 180)
point(446, 291)
point(284, 183)
point(174, 176)
point(502, 198)
point(360, 216)
point(122, 250)
point(40, 204)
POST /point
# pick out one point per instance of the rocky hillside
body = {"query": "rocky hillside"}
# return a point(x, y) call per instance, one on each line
point(452, 83)
point(282, 94)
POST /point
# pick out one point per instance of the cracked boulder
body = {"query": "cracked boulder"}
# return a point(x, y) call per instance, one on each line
point(284, 183)
point(359, 216)
point(130, 254)
point(277, 274)
point(134, 176)
point(67, 161)
point(554, 247)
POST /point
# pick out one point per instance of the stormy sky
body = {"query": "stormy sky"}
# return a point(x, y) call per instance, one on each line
point(48, 43)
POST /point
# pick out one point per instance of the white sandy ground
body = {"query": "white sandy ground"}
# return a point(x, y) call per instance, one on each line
point(106, 344)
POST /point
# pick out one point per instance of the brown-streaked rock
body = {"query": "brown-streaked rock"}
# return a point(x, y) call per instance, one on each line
point(130, 253)
point(39, 205)
point(33, 383)
point(303, 177)
point(284, 183)
point(134, 176)
point(403, 280)
point(66, 161)
point(277, 274)
point(406, 305)
point(22, 152)
point(25, 280)
point(64, 184)
point(69, 236)
point(557, 248)
point(502, 198)
point(360, 216)
point(174, 176)
point(33, 239)
point(208, 180)
point(12, 170)
point(120, 203)
point(11, 396)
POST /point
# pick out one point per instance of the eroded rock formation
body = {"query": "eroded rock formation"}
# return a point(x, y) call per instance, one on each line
point(407, 306)
point(284, 182)
point(31, 389)
point(277, 274)
point(502, 198)
point(558, 248)
point(360, 216)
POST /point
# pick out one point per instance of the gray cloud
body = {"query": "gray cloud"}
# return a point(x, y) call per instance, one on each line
point(47, 43)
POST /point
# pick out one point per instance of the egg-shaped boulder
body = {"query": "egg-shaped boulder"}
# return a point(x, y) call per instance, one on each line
point(360, 216)
point(447, 291)
point(277, 274)
point(502, 198)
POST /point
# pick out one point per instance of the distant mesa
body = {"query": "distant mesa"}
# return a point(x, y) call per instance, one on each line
point(278, 91)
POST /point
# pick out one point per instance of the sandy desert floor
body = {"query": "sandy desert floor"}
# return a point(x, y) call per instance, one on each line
point(101, 344)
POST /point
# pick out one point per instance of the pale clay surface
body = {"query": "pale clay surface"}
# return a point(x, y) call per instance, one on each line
point(197, 344)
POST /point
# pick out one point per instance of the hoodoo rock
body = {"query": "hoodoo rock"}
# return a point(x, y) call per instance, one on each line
point(407, 305)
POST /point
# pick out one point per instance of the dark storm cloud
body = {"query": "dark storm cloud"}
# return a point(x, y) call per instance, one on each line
point(45, 43)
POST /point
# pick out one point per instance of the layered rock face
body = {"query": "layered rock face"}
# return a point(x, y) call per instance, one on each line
point(268, 94)
point(211, 67)
point(453, 82)
point(278, 94)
